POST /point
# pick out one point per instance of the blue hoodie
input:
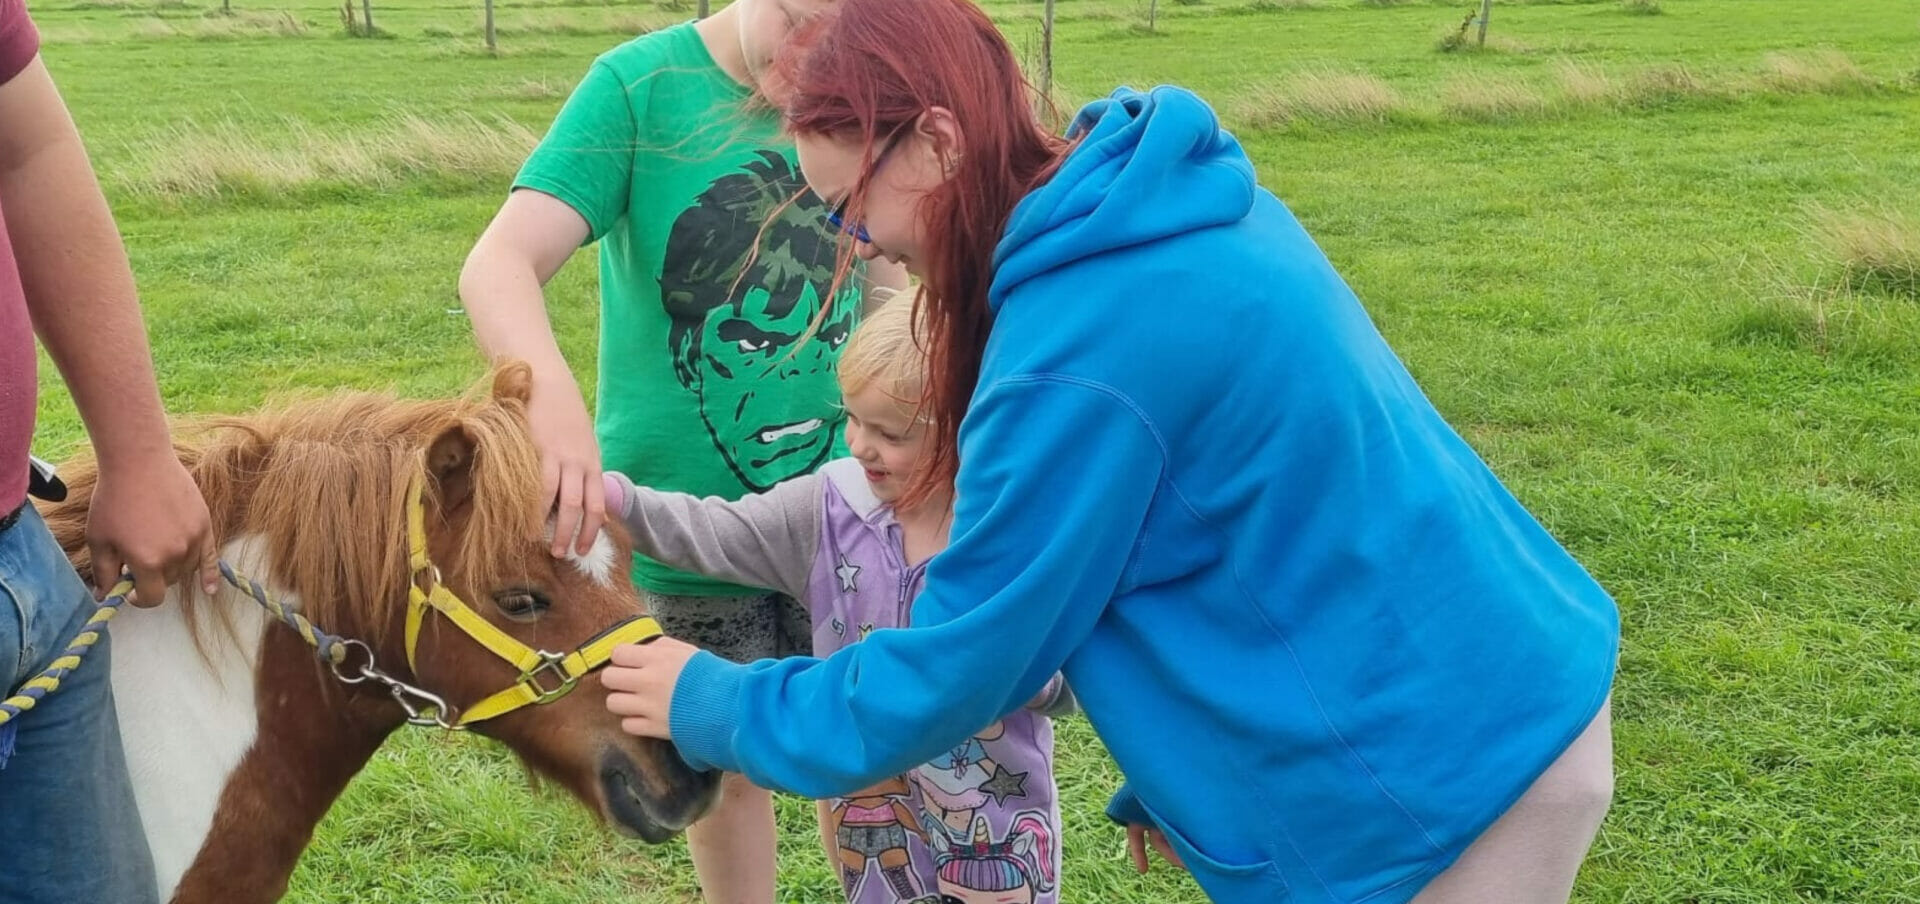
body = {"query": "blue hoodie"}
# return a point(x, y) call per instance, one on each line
point(1322, 641)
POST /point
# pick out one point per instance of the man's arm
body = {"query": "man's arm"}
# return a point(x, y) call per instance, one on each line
point(147, 513)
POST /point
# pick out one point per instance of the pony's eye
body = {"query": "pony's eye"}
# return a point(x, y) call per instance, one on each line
point(521, 604)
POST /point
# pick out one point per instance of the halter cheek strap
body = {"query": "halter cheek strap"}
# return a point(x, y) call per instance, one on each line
point(544, 677)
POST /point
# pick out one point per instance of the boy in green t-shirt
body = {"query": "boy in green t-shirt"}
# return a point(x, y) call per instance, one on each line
point(715, 263)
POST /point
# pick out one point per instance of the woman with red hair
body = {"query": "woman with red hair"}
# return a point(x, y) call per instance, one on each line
point(1335, 658)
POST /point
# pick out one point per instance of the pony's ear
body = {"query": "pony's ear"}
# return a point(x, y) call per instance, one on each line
point(450, 461)
point(513, 380)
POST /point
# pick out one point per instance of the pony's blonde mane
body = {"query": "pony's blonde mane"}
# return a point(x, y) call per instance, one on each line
point(323, 483)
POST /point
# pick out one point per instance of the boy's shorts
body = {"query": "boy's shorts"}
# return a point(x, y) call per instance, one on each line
point(736, 628)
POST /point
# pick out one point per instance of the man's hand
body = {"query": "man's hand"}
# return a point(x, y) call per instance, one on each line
point(148, 516)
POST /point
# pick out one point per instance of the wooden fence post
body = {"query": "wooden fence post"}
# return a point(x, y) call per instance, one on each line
point(1046, 51)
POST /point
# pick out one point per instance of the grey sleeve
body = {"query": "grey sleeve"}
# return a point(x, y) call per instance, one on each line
point(1056, 700)
point(761, 540)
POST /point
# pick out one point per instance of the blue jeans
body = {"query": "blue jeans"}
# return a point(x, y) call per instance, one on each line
point(69, 829)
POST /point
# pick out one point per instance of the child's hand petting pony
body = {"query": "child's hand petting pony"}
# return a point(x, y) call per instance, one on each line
point(640, 682)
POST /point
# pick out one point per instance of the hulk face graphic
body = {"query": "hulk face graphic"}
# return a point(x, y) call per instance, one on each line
point(739, 316)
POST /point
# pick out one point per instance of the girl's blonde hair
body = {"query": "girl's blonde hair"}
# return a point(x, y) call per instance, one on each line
point(886, 350)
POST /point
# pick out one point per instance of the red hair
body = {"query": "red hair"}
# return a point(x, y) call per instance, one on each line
point(864, 69)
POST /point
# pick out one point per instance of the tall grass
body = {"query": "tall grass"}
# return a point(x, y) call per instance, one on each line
point(1875, 247)
point(191, 162)
point(1490, 97)
point(1322, 97)
point(1819, 72)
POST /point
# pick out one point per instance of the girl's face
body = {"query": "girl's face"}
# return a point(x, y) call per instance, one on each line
point(907, 167)
point(886, 438)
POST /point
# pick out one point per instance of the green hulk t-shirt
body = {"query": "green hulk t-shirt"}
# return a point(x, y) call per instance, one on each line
point(705, 385)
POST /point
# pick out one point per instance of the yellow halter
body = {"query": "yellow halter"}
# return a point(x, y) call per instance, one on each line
point(544, 677)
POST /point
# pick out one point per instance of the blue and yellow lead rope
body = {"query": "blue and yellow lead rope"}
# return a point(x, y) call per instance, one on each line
point(328, 647)
point(69, 659)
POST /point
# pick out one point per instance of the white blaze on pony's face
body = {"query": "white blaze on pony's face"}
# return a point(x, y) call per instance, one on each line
point(598, 562)
point(194, 719)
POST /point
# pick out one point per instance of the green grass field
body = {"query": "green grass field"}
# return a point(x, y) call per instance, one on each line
point(1659, 262)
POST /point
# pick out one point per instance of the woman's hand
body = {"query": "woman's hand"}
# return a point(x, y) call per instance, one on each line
point(640, 684)
point(1139, 836)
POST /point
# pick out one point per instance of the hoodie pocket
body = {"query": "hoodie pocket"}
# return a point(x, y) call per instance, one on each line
point(1225, 883)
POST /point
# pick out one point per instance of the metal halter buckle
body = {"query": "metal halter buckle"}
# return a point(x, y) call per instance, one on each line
point(550, 663)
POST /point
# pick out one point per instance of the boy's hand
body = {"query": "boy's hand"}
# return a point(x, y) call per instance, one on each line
point(569, 463)
point(1139, 836)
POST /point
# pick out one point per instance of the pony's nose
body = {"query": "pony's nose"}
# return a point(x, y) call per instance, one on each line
point(652, 793)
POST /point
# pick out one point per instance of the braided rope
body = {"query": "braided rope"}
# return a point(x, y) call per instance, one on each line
point(328, 647)
point(69, 659)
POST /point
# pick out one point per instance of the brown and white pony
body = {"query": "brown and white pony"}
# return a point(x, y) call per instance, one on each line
point(239, 739)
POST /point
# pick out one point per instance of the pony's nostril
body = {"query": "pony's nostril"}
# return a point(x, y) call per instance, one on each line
point(652, 793)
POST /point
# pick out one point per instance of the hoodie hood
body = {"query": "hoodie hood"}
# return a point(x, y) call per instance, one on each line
point(1148, 166)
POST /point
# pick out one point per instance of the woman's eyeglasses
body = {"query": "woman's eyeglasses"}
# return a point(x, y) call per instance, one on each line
point(838, 215)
